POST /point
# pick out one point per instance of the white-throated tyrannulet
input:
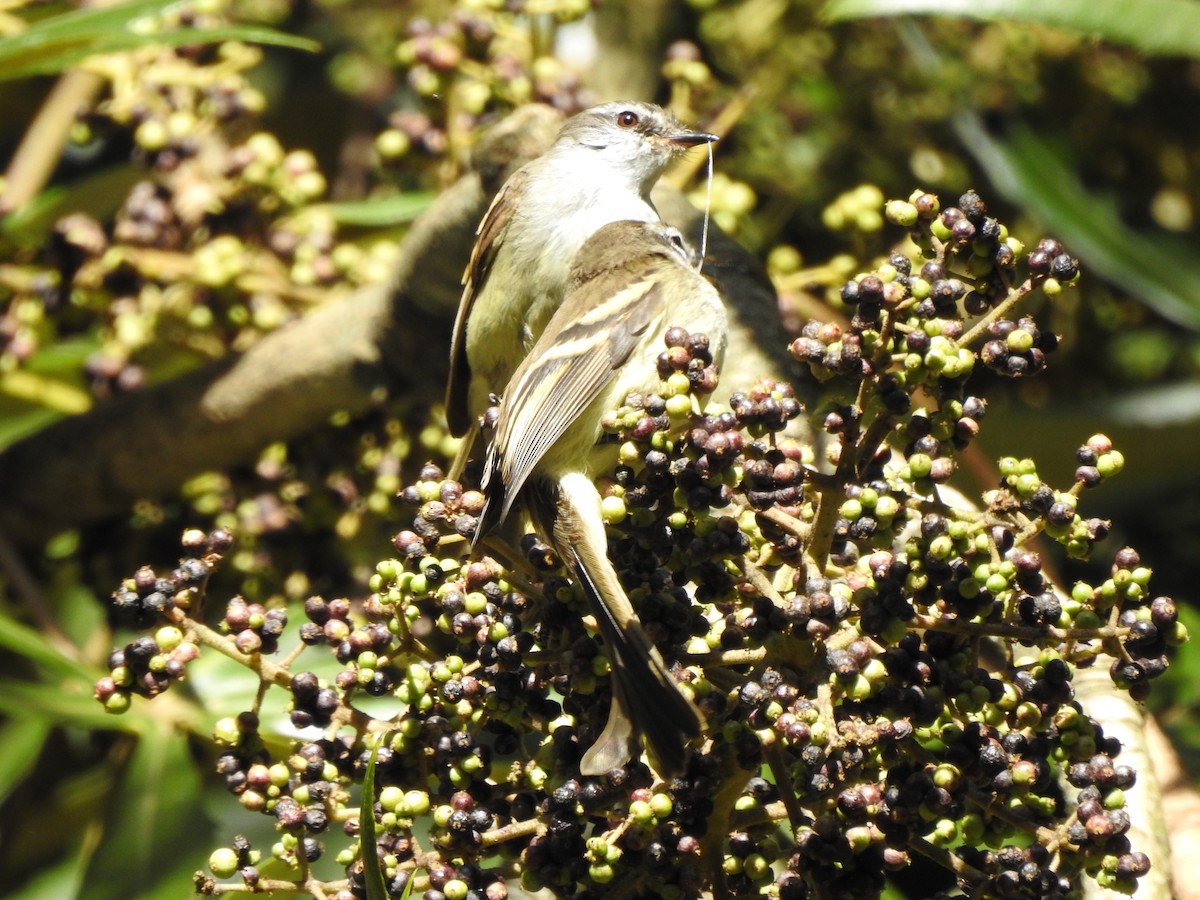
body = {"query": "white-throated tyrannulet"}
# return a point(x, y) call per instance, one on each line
point(600, 169)
point(629, 283)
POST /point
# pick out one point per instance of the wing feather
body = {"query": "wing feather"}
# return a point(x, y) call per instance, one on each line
point(489, 238)
point(571, 365)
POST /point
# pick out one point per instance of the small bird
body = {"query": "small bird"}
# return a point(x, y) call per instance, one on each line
point(630, 282)
point(600, 169)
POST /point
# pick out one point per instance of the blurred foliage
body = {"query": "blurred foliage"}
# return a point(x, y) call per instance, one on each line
point(203, 192)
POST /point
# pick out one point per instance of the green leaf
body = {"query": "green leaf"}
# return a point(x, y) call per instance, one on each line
point(1158, 269)
point(1150, 26)
point(98, 194)
point(15, 425)
point(62, 705)
point(372, 866)
point(155, 816)
point(398, 210)
point(35, 646)
point(54, 44)
point(60, 879)
point(21, 741)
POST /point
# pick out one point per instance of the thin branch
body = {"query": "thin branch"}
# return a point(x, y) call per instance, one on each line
point(46, 138)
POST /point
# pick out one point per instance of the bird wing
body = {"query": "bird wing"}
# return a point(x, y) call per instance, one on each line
point(569, 368)
point(489, 237)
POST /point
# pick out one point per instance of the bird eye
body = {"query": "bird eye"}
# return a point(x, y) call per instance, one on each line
point(627, 119)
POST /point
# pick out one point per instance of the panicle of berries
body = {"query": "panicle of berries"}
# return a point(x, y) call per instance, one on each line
point(149, 664)
point(883, 669)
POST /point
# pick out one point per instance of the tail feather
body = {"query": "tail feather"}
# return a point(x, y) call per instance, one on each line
point(495, 504)
point(646, 698)
point(647, 701)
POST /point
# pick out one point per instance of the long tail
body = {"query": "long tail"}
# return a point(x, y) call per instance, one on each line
point(647, 700)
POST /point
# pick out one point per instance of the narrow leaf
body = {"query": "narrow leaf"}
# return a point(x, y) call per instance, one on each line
point(372, 865)
point(1027, 170)
point(58, 42)
point(1150, 26)
point(21, 743)
point(47, 392)
point(156, 814)
point(398, 210)
point(33, 645)
point(57, 704)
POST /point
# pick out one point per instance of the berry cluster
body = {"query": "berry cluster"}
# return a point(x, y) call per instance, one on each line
point(255, 629)
point(145, 666)
point(885, 673)
point(473, 55)
point(142, 599)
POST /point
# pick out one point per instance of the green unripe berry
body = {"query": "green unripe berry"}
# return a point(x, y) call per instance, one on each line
point(941, 547)
point(613, 510)
point(168, 638)
point(225, 731)
point(223, 862)
point(946, 776)
point(390, 798)
point(971, 825)
point(901, 212)
point(677, 383)
point(784, 260)
point(1109, 464)
point(859, 688)
point(944, 833)
point(859, 838)
point(756, 867)
point(392, 143)
point(641, 811)
point(851, 509)
point(919, 465)
point(661, 805)
point(996, 583)
point(680, 405)
point(886, 507)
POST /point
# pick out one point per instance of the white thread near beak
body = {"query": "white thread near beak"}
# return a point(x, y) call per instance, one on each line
point(707, 211)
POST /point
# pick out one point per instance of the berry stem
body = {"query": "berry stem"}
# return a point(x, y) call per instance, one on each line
point(1015, 296)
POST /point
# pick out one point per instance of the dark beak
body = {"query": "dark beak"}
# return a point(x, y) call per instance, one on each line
point(692, 138)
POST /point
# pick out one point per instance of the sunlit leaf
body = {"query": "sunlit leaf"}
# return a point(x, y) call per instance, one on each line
point(1150, 26)
point(17, 425)
point(96, 193)
point(59, 880)
point(1031, 172)
point(49, 393)
point(398, 210)
point(54, 44)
